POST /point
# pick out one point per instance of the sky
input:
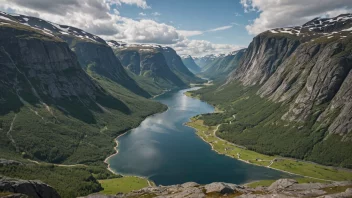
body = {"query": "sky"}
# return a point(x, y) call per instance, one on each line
point(191, 27)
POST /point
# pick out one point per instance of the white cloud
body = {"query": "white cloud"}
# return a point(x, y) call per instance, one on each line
point(220, 28)
point(156, 14)
point(142, 14)
point(140, 3)
point(202, 47)
point(189, 33)
point(98, 17)
point(146, 31)
point(282, 13)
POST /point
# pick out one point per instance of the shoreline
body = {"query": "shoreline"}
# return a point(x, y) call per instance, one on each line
point(245, 161)
point(212, 148)
point(150, 182)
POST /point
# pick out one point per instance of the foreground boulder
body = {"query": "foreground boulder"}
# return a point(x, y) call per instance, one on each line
point(26, 188)
point(281, 188)
point(218, 188)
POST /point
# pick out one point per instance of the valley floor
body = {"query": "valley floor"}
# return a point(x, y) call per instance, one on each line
point(305, 171)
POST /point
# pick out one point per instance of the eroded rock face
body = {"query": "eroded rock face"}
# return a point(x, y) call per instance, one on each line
point(23, 188)
point(262, 58)
point(280, 188)
point(307, 68)
point(49, 64)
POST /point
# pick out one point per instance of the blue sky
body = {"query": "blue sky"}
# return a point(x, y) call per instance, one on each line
point(200, 15)
point(191, 27)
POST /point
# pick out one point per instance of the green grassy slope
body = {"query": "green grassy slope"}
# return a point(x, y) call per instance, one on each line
point(256, 123)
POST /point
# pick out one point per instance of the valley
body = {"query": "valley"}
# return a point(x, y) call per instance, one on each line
point(86, 110)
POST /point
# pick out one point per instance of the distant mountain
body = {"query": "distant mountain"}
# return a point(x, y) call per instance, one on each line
point(149, 64)
point(202, 61)
point(223, 65)
point(291, 93)
point(190, 64)
point(158, 56)
point(93, 53)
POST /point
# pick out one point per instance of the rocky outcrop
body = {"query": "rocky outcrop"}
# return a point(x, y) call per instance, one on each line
point(280, 188)
point(30, 188)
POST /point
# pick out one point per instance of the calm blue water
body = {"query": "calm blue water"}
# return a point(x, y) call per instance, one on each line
point(166, 151)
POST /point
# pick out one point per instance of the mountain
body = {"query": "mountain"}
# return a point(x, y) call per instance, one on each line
point(291, 95)
point(93, 53)
point(221, 67)
point(190, 64)
point(51, 110)
point(176, 65)
point(202, 61)
point(147, 66)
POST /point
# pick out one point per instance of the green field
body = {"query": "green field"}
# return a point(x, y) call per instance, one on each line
point(311, 172)
point(123, 184)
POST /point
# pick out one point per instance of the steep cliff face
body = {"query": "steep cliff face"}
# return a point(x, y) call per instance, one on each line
point(263, 56)
point(42, 66)
point(190, 64)
point(93, 52)
point(308, 70)
point(223, 65)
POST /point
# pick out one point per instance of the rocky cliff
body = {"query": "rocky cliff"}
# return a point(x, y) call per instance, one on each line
point(40, 65)
point(308, 69)
point(93, 53)
point(26, 188)
point(285, 188)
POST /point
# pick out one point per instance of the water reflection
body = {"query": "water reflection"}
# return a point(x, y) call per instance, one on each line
point(167, 152)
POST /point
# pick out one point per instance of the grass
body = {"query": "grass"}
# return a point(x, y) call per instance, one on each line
point(258, 126)
point(302, 168)
point(67, 181)
point(123, 185)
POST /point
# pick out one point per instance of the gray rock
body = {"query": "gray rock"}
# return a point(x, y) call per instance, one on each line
point(189, 184)
point(282, 184)
point(33, 189)
point(346, 194)
point(218, 188)
point(5, 162)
